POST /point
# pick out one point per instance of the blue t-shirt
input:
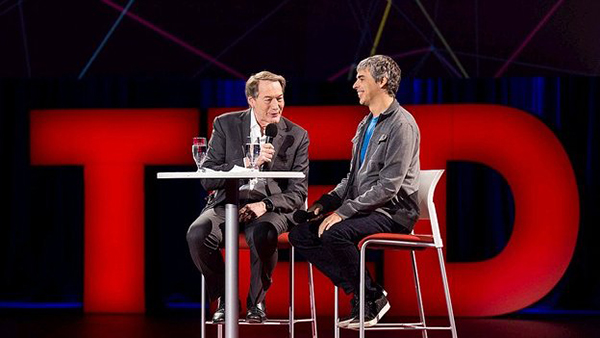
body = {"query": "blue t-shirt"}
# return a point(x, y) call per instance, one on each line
point(367, 138)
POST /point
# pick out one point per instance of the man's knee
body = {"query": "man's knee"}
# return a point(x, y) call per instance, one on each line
point(197, 233)
point(262, 234)
point(306, 234)
point(200, 236)
point(334, 236)
point(300, 234)
point(294, 235)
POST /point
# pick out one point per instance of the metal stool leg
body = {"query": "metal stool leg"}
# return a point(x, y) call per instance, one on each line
point(313, 305)
point(418, 290)
point(203, 313)
point(203, 308)
point(336, 316)
point(291, 313)
point(447, 293)
point(292, 285)
point(361, 301)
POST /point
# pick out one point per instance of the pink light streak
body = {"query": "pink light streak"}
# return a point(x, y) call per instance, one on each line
point(528, 38)
point(178, 41)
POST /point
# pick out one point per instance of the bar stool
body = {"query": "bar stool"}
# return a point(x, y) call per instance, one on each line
point(412, 242)
point(282, 243)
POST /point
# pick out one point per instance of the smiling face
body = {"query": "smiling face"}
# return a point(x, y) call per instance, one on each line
point(367, 88)
point(268, 104)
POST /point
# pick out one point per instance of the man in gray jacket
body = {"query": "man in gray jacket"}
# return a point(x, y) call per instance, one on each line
point(379, 194)
point(266, 207)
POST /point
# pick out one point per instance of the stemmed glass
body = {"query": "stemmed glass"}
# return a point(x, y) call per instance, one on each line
point(199, 151)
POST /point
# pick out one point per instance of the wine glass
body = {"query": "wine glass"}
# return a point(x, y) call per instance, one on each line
point(199, 151)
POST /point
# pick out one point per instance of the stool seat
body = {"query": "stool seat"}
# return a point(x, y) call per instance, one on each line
point(282, 242)
point(412, 241)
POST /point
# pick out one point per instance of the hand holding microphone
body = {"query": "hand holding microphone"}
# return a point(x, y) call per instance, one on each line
point(324, 205)
point(313, 213)
point(316, 208)
point(267, 151)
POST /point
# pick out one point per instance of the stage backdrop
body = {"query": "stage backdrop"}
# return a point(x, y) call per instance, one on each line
point(43, 264)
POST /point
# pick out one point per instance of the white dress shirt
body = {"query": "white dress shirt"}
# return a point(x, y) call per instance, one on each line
point(255, 132)
point(256, 188)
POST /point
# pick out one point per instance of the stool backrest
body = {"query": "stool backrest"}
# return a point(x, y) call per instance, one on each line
point(427, 182)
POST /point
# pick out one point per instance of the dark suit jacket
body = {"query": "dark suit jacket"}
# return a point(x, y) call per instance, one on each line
point(226, 149)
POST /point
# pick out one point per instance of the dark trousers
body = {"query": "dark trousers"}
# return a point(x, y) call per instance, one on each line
point(336, 254)
point(205, 239)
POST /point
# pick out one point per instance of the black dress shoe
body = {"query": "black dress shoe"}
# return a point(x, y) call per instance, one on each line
point(256, 313)
point(219, 315)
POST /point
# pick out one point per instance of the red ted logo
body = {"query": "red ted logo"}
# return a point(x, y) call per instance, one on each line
point(113, 145)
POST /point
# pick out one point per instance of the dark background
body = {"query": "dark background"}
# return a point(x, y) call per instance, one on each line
point(65, 54)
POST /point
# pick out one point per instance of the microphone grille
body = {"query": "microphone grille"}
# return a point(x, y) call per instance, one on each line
point(271, 130)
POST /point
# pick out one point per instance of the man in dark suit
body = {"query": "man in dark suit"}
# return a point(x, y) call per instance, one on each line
point(266, 206)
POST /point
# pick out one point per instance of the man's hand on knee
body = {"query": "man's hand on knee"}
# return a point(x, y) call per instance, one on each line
point(328, 222)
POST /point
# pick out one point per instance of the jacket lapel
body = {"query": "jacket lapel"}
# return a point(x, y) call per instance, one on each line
point(282, 133)
point(278, 140)
point(244, 128)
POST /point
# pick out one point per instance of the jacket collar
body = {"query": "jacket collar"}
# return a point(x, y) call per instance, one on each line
point(390, 110)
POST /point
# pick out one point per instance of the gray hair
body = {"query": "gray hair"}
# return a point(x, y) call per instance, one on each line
point(382, 66)
point(253, 81)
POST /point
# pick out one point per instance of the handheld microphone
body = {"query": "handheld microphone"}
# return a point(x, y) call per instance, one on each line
point(270, 132)
point(302, 216)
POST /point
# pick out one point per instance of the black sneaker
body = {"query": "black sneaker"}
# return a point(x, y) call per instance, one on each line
point(344, 321)
point(374, 311)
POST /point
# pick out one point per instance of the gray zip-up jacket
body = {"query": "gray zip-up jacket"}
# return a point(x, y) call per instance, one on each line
point(388, 180)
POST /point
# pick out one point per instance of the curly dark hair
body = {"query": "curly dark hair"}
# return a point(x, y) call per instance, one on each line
point(382, 66)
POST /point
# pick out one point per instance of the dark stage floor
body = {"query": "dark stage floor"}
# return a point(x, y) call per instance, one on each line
point(187, 325)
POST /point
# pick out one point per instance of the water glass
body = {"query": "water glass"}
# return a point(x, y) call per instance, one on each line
point(199, 151)
point(252, 152)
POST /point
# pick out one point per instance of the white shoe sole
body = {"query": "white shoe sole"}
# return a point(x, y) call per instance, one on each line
point(373, 321)
point(345, 322)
